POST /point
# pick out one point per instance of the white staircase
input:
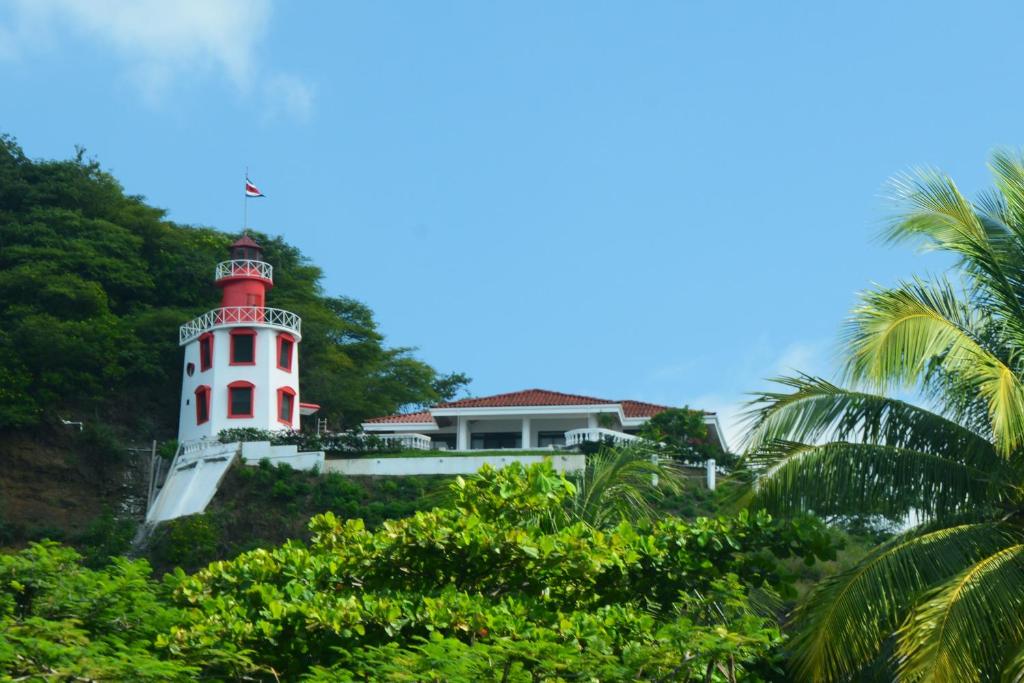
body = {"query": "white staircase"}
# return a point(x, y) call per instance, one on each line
point(199, 467)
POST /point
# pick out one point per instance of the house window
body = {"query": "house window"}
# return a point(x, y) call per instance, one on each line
point(285, 344)
point(202, 404)
point(285, 405)
point(496, 440)
point(240, 399)
point(550, 439)
point(205, 352)
point(253, 300)
point(243, 347)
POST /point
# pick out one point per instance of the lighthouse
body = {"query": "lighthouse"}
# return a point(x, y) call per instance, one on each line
point(241, 360)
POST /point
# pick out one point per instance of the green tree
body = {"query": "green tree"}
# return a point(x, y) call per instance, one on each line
point(683, 433)
point(944, 600)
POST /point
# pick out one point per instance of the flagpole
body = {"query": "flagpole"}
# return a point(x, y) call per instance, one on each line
point(245, 203)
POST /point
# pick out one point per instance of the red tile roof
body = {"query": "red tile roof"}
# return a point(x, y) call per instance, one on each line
point(528, 397)
point(423, 416)
point(641, 409)
point(246, 241)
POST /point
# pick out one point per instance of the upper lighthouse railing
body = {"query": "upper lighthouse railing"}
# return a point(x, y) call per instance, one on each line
point(244, 268)
point(240, 315)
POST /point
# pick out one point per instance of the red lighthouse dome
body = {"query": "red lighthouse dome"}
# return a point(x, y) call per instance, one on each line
point(246, 278)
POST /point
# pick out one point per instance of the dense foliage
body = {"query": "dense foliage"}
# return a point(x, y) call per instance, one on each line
point(944, 600)
point(94, 284)
point(61, 621)
point(498, 584)
point(493, 587)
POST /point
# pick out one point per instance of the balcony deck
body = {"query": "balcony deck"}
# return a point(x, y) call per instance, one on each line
point(244, 268)
point(240, 316)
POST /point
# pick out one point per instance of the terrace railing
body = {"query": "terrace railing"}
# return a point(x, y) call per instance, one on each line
point(244, 268)
point(232, 316)
point(575, 437)
point(413, 442)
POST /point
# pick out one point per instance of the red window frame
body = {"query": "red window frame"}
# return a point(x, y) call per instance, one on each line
point(281, 393)
point(238, 332)
point(283, 337)
point(241, 384)
point(204, 391)
point(205, 363)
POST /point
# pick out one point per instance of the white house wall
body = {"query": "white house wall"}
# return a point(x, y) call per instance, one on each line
point(468, 464)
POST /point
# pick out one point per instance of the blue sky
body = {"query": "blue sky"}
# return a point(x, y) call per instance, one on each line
point(666, 201)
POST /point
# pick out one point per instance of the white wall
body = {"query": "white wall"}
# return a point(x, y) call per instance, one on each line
point(265, 375)
point(395, 467)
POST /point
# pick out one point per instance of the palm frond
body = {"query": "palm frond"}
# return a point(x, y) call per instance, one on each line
point(844, 478)
point(816, 409)
point(897, 334)
point(965, 626)
point(847, 618)
point(623, 484)
point(986, 238)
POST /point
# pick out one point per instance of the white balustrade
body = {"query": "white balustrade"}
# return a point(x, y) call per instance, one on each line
point(239, 315)
point(575, 437)
point(415, 442)
point(244, 268)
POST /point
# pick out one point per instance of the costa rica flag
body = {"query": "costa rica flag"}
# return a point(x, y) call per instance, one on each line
point(251, 190)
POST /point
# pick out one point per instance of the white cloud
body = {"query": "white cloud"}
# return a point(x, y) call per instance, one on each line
point(160, 42)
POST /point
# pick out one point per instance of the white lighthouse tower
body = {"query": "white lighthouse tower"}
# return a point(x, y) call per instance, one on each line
point(242, 359)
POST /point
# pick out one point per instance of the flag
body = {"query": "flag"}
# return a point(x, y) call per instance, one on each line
point(251, 190)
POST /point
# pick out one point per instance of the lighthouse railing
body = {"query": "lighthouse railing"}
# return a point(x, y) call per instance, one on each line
point(244, 268)
point(230, 316)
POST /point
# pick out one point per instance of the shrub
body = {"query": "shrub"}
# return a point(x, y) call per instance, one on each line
point(187, 542)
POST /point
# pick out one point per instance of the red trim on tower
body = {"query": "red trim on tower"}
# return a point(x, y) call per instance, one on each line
point(283, 337)
point(241, 384)
point(204, 391)
point(242, 332)
point(281, 393)
point(206, 360)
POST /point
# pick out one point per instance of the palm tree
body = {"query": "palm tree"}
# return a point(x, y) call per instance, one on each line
point(622, 483)
point(944, 599)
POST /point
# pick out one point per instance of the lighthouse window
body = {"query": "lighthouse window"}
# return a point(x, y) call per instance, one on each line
point(202, 404)
point(205, 352)
point(285, 344)
point(243, 347)
point(285, 405)
point(240, 399)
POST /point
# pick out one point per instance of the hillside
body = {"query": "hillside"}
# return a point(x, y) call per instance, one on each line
point(93, 286)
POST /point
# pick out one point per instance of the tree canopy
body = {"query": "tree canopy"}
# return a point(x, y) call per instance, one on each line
point(94, 284)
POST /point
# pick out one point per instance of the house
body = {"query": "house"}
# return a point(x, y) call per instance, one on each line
point(530, 419)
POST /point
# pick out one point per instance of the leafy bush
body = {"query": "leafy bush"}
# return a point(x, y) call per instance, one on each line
point(61, 621)
point(351, 443)
point(492, 583)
